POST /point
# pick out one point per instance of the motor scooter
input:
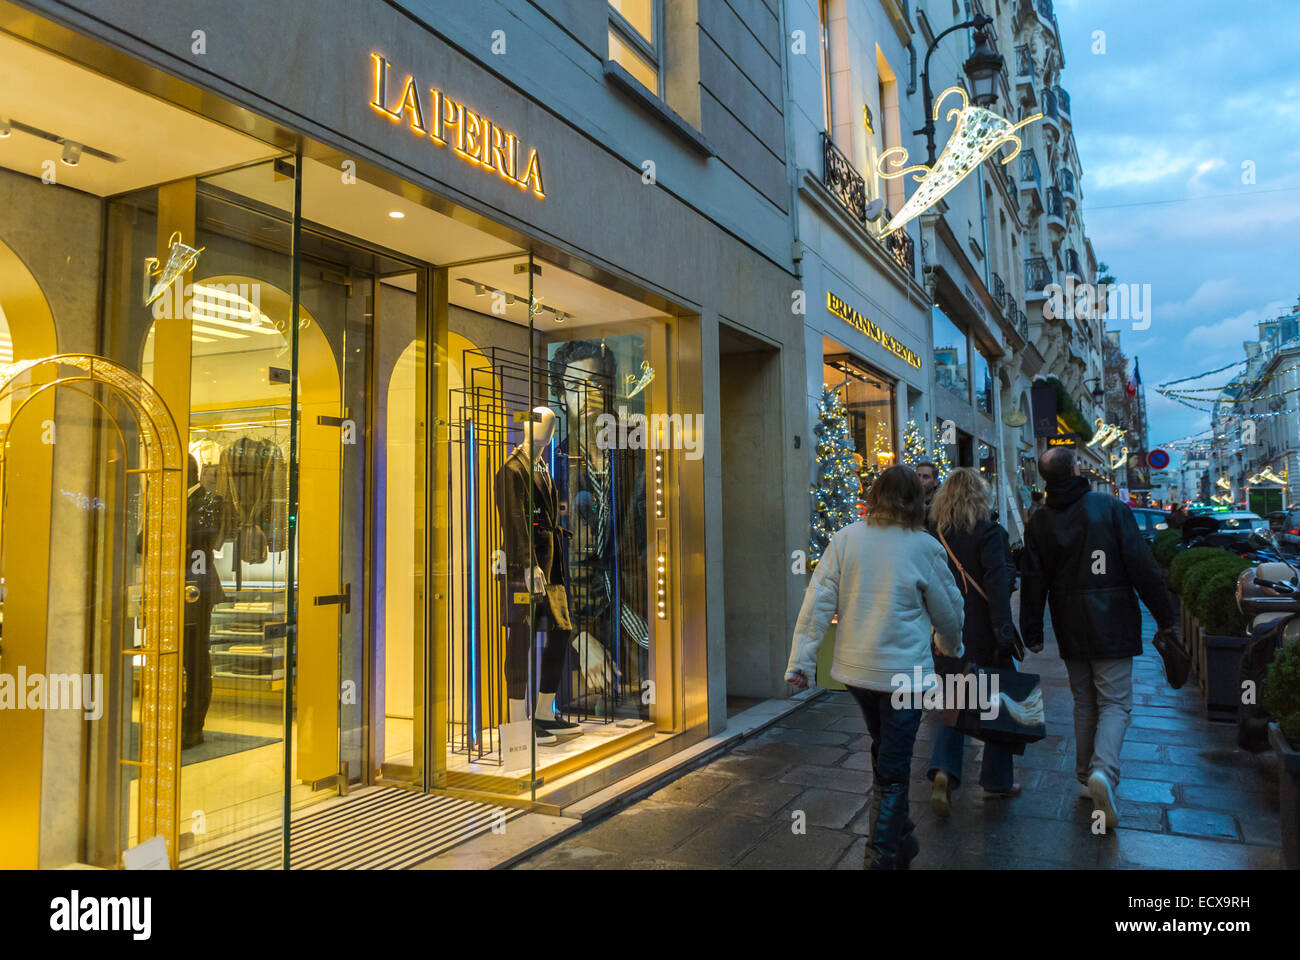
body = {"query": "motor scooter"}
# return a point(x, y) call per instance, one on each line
point(1270, 595)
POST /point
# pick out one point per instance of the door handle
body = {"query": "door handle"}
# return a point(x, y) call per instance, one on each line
point(345, 598)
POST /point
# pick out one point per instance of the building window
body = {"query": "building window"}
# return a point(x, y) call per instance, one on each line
point(983, 384)
point(889, 127)
point(634, 40)
point(868, 397)
point(824, 41)
point(951, 367)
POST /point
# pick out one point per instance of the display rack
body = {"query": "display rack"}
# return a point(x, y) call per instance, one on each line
point(244, 658)
point(484, 427)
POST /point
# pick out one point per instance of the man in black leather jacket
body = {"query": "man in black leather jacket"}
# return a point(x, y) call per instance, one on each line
point(1085, 555)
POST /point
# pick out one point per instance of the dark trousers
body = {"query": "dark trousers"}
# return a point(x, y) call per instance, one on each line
point(519, 647)
point(996, 770)
point(198, 672)
point(893, 736)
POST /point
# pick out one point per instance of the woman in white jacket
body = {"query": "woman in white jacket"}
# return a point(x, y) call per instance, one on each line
point(889, 583)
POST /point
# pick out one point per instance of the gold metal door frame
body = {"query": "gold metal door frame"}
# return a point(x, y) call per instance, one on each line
point(163, 475)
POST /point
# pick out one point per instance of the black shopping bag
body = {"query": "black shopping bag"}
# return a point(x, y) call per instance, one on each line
point(1015, 711)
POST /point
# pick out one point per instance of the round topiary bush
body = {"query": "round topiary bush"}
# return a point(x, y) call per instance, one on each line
point(1281, 692)
point(1214, 601)
point(1165, 546)
point(1186, 560)
point(1199, 573)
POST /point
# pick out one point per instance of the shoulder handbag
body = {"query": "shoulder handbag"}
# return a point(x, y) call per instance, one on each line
point(1018, 717)
point(1016, 640)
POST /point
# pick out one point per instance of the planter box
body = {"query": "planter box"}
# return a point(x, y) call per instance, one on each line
point(1222, 659)
point(1288, 785)
point(1196, 647)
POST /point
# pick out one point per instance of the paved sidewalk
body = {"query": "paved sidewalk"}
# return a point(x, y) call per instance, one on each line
point(1189, 797)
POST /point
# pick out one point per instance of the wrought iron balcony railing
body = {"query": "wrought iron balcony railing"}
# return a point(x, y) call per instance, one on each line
point(903, 250)
point(1055, 205)
point(1038, 274)
point(843, 181)
point(1049, 104)
point(1029, 168)
point(1022, 324)
point(999, 292)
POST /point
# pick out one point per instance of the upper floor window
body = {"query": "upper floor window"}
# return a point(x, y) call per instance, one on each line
point(635, 28)
point(824, 42)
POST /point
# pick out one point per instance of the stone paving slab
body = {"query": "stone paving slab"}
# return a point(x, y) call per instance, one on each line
point(1188, 798)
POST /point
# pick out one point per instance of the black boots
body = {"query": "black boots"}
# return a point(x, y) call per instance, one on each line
point(893, 844)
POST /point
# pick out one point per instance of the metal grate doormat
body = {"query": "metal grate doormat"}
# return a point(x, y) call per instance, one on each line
point(381, 829)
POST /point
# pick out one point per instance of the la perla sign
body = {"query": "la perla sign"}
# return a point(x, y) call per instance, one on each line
point(473, 137)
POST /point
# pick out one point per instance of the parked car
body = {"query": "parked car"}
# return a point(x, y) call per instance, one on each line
point(1242, 520)
point(1150, 520)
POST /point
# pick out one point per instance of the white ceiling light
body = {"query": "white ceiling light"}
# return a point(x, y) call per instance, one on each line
point(200, 316)
point(71, 153)
point(396, 214)
point(5, 129)
point(214, 332)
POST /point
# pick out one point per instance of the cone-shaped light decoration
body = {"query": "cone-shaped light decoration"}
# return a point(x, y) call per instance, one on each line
point(979, 132)
point(181, 259)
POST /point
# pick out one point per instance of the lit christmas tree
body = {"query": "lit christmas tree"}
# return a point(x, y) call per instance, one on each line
point(835, 497)
point(940, 457)
point(914, 450)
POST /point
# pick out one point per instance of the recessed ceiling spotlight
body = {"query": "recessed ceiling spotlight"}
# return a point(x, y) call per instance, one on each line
point(71, 153)
point(396, 214)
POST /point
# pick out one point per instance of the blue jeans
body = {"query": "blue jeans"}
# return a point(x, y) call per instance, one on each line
point(893, 735)
point(996, 772)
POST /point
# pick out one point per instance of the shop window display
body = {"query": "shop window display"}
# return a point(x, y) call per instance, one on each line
point(556, 639)
point(868, 399)
point(951, 368)
point(345, 386)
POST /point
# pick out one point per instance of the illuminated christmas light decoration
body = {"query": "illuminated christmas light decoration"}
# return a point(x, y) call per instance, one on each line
point(1105, 434)
point(1266, 476)
point(978, 134)
point(180, 259)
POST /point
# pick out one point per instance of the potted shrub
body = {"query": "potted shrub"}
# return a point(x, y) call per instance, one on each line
point(1211, 590)
point(1183, 562)
point(1281, 697)
point(1186, 560)
point(1165, 546)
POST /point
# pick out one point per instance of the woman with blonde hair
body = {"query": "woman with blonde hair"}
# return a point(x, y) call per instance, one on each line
point(889, 584)
point(977, 551)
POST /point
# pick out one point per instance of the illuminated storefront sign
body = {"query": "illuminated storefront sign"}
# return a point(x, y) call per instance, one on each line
point(474, 138)
point(856, 320)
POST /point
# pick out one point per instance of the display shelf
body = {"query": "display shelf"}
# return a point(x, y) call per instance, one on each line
point(242, 657)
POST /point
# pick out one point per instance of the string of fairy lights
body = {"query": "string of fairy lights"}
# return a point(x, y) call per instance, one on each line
point(1226, 436)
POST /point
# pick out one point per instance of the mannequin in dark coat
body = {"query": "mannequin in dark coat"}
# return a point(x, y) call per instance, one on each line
point(203, 592)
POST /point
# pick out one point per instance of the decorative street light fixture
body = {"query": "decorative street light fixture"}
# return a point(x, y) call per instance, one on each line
point(982, 69)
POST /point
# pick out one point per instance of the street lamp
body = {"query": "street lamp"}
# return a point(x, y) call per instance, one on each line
point(982, 69)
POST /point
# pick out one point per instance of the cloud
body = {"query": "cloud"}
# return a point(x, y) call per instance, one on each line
point(1203, 168)
point(1233, 331)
